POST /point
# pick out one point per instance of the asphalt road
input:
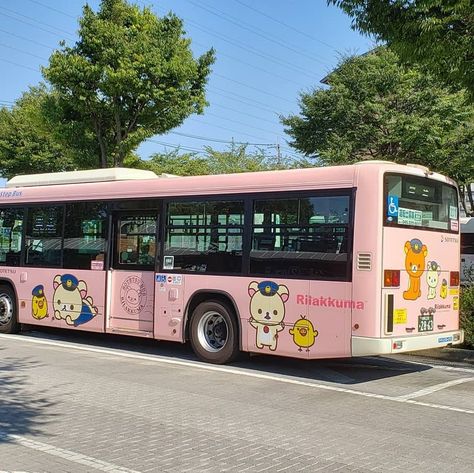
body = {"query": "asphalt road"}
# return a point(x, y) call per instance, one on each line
point(79, 403)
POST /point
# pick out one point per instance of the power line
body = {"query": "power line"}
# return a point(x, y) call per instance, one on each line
point(241, 24)
point(36, 21)
point(248, 49)
point(286, 25)
point(237, 122)
point(19, 65)
point(27, 39)
point(231, 95)
point(247, 114)
point(185, 148)
point(243, 84)
point(261, 69)
point(52, 9)
point(22, 51)
point(224, 128)
point(204, 138)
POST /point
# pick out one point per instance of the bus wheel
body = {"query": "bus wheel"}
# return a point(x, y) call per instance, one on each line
point(214, 333)
point(8, 313)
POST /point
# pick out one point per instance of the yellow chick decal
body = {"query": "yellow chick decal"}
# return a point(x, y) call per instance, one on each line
point(304, 334)
point(443, 292)
point(39, 304)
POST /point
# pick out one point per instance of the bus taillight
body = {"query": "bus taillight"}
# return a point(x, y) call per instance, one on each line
point(454, 278)
point(391, 278)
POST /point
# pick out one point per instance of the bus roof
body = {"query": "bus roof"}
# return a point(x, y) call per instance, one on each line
point(134, 184)
point(80, 177)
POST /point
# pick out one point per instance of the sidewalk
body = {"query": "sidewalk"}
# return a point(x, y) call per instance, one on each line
point(459, 355)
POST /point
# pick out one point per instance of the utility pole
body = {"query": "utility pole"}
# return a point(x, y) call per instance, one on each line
point(278, 154)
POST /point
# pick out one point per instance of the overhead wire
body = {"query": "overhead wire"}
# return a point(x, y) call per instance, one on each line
point(286, 25)
point(254, 30)
point(231, 95)
point(37, 21)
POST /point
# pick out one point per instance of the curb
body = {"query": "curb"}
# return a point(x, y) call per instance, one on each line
point(447, 354)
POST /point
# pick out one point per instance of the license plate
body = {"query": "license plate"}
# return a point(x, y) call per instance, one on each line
point(425, 323)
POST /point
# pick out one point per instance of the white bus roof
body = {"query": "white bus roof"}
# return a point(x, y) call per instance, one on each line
point(76, 177)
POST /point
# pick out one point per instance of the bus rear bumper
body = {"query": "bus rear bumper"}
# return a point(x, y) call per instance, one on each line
point(364, 346)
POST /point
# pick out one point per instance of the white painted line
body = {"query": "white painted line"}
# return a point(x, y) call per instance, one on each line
point(437, 366)
point(226, 369)
point(73, 457)
point(436, 387)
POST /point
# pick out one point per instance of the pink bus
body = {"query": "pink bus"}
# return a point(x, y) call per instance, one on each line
point(310, 263)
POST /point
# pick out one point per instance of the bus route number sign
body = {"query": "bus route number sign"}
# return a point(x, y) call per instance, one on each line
point(425, 323)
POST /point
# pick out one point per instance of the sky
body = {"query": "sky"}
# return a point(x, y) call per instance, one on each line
point(267, 53)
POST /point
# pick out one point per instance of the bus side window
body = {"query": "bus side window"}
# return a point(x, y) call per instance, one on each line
point(44, 232)
point(85, 234)
point(11, 234)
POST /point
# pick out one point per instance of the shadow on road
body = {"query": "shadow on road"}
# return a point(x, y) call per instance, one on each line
point(348, 371)
point(22, 410)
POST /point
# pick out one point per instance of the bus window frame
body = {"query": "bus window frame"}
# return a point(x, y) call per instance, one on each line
point(387, 224)
point(248, 199)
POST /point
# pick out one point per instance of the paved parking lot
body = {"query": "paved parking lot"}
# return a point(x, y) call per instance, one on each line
point(83, 403)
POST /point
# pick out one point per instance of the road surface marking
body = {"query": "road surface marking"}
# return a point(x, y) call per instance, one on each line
point(69, 455)
point(229, 370)
point(436, 387)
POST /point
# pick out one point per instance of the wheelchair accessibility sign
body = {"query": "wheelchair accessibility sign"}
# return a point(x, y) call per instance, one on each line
point(392, 206)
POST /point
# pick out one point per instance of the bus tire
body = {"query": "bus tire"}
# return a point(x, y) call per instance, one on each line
point(214, 333)
point(8, 311)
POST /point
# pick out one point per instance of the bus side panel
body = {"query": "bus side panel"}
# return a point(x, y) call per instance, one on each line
point(367, 254)
point(61, 298)
point(330, 307)
point(301, 319)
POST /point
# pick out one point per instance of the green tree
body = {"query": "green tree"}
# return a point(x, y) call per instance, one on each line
point(235, 159)
point(174, 162)
point(27, 143)
point(438, 34)
point(130, 75)
point(377, 108)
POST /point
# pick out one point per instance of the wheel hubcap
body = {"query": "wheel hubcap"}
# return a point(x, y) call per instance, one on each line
point(6, 309)
point(212, 331)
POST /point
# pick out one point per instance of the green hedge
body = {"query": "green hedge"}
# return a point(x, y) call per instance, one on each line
point(467, 315)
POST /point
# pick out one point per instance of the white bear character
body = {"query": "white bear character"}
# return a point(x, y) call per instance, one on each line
point(267, 311)
point(433, 271)
point(71, 302)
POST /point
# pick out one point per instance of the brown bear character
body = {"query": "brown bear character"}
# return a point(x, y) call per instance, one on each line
point(415, 253)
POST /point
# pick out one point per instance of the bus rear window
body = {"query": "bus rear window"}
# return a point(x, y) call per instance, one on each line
point(412, 201)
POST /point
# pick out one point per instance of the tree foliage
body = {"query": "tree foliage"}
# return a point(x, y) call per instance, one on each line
point(376, 108)
point(27, 143)
point(130, 75)
point(438, 34)
point(235, 159)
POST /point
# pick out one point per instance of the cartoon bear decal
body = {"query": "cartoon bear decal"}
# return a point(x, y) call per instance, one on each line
point(433, 271)
point(304, 333)
point(415, 254)
point(267, 312)
point(39, 304)
point(71, 302)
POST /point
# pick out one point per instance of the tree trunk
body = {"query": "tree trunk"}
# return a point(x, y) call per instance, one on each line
point(462, 195)
point(471, 199)
point(102, 146)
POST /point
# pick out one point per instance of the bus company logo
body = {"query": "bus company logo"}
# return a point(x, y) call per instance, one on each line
point(448, 239)
point(10, 194)
point(133, 295)
point(306, 299)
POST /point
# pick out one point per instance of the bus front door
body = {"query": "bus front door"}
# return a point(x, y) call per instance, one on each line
point(130, 284)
